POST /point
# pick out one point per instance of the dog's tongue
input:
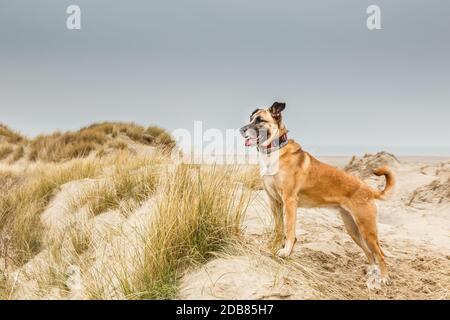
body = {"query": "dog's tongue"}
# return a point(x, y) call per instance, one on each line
point(248, 142)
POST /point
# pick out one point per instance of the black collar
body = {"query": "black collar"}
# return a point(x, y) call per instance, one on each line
point(276, 144)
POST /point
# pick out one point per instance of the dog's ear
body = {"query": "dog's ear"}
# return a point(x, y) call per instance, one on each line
point(276, 108)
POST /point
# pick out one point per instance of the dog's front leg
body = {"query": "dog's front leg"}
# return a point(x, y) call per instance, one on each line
point(276, 207)
point(289, 219)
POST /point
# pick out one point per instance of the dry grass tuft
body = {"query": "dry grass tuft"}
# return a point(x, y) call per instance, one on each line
point(6, 287)
point(10, 136)
point(252, 178)
point(159, 136)
point(5, 150)
point(124, 189)
point(18, 153)
point(8, 180)
point(200, 214)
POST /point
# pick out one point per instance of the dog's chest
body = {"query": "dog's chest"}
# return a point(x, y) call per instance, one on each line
point(269, 169)
point(269, 163)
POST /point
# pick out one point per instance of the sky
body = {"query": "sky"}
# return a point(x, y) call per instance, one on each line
point(347, 89)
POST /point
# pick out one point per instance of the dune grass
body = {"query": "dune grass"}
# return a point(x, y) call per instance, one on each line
point(10, 136)
point(199, 215)
point(5, 287)
point(60, 146)
point(126, 188)
point(5, 150)
point(251, 177)
point(100, 138)
point(159, 136)
point(21, 206)
point(18, 153)
point(8, 180)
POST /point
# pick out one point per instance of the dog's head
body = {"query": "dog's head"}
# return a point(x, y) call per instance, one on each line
point(265, 126)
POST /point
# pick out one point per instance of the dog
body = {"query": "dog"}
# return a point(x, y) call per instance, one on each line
point(295, 179)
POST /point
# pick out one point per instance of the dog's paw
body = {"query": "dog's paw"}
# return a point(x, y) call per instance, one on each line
point(373, 278)
point(373, 284)
point(372, 269)
point(283, 253)
point(386, 281)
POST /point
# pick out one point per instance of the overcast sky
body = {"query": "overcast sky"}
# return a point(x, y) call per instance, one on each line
point(172, 62)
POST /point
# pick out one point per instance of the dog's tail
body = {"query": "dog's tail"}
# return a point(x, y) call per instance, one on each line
point(390, 183)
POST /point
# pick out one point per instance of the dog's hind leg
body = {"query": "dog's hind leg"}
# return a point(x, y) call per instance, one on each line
point(352, 230)
point(365, 219)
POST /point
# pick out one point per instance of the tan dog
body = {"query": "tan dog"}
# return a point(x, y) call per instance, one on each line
point(293, 178)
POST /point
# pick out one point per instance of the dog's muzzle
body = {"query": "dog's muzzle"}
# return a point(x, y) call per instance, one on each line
point(244, 130)
point(250, 132)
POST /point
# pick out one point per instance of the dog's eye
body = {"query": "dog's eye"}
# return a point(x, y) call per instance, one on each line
point(258, 120)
